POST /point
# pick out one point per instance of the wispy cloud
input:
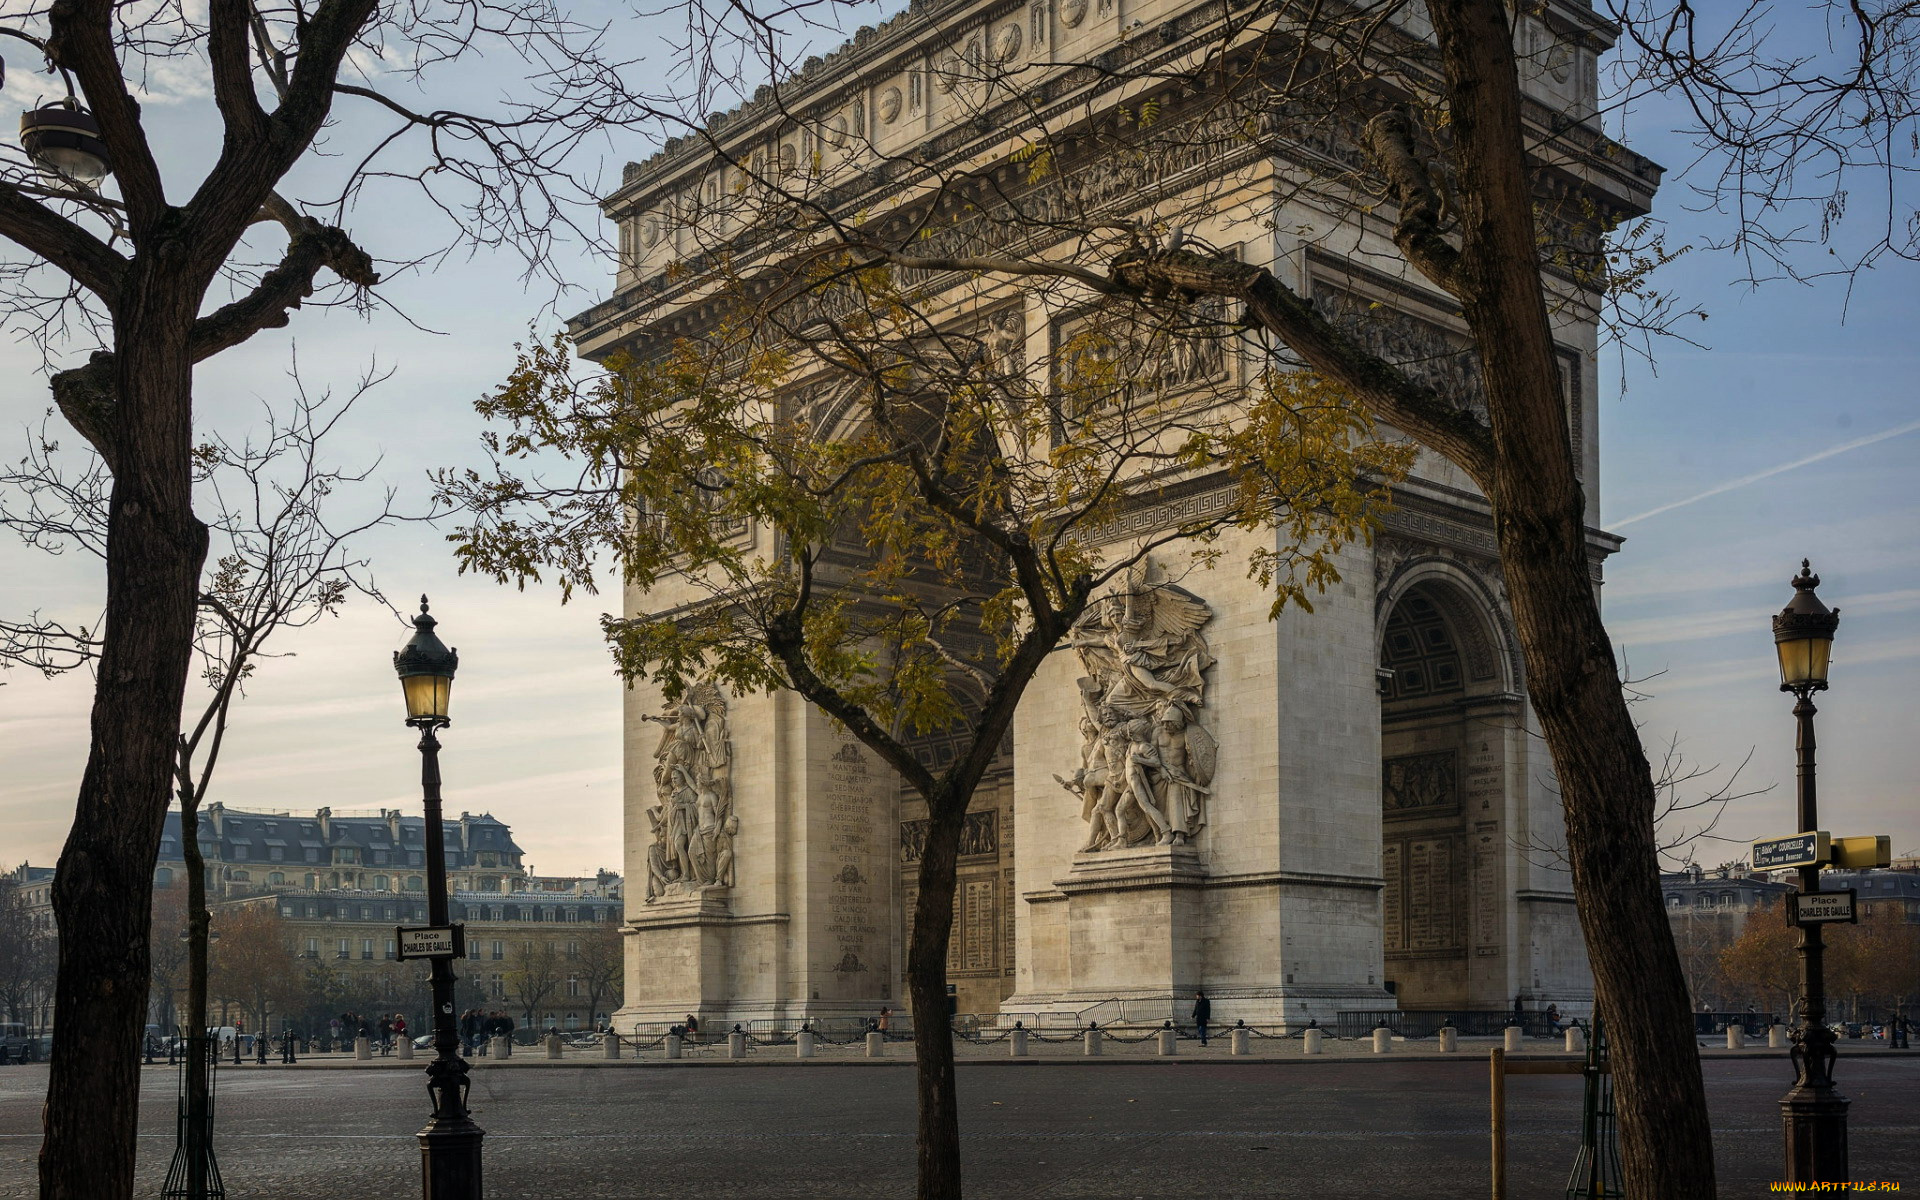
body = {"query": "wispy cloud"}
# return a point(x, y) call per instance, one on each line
point(1746, 621)
point(1770, 472)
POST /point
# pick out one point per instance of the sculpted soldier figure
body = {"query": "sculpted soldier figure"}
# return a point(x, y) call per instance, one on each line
point(693, 825)
point(1146, 761)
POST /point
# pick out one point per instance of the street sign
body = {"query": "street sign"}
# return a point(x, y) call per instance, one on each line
point(1863, 853)
point(1800, 850)
point(1815, 908)
point(430, 941)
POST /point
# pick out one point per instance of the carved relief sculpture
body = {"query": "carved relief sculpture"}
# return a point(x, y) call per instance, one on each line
point(693, 825)
point(1146, 759)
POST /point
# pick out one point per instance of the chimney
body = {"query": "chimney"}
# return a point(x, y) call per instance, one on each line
point(217, 812)
point(325, 817)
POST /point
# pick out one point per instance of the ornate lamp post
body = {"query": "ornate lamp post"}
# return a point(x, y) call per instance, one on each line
point(450, 1143)
point(1813, 1113)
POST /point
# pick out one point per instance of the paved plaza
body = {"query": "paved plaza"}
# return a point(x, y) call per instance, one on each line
point(1344, 1125)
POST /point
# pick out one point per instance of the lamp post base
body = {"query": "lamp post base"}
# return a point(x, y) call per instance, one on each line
point(1815, 1122)
point(450, 1159)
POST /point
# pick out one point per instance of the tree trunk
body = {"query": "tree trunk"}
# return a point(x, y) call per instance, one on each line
point(1573, 681)
point(102, 895)
point(939, 1112)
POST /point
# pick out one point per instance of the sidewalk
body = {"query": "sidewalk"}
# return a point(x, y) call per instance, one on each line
point(1070, 1051)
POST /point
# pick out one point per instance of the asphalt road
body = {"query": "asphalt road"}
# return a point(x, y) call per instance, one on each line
point(1064, 1131)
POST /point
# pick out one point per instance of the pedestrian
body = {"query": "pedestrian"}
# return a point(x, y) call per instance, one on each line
point(333, 1031)
point(384, 1030)
point(400, 1027)
point(1553, 1018)
point(880, 1023)
point(693, 1029)
point(1202, 1013)
point(1519, 1014)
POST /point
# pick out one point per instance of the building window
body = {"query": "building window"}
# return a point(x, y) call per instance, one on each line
point(239, 852)
point(392, 950)
point(313, 910)
point(346, 948)
point(573, 949)
point(573, 914)
point(276, 853)
point(286, 910)
point(313, 947)
point(473, 949)
point(379, 883)
point(499, 951)
point(413, 883)
point(163, 877)
point(278, 877)
point(366, 948)
point(497, 910)
point(366, 912)
point(313, 854)
point(379, 858)
point(573, 985)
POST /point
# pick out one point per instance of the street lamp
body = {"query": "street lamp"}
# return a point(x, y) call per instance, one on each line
point(450, 1143)
point(1813, 1113)
point(63, 139)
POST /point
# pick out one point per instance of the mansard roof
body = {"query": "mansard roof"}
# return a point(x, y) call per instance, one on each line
point(223, 829)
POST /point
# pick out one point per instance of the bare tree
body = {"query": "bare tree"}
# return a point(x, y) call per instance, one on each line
point(166, 267)
point(602, 967)
point(284, 561)
point(533, 976)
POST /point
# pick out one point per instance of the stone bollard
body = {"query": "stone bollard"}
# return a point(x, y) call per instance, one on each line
point(1092, 1041)
point(1736, 1038)
point(876, 1044)
point(1449, 1039)
point(1513, 1038)
point(553, 1045)
point(1018, 1042)
point(1169, 1042)
point(673, 1045)
point(502, 1046)
point(363, 1049)
point(1310, 1042)
point(404, 1048)
point(1383, 1040)
point(610, 1044)
point(1240, 1039)
point(1776, 1037)
point(737, 1044)
point(1576, 1040)
point(803, 1044)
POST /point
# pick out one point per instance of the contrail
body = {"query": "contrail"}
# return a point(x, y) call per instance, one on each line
point(1757, 476)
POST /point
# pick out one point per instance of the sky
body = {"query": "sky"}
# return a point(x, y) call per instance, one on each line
point(1793, 433)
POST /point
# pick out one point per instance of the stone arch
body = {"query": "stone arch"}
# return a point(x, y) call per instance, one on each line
point(1472, 607)
point(1450, 709)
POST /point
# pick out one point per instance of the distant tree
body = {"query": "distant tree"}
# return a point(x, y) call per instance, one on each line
point(169, 952)
point(1877, 962)
point(1762, 963)
point(253, 968)
point(601, 966)
point(534, 974)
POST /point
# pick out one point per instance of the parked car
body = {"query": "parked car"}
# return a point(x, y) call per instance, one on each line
point(15, 1045)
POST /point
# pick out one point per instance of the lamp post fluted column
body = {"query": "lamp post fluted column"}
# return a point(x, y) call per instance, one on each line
point(450, 1143)
point(1813, 1113)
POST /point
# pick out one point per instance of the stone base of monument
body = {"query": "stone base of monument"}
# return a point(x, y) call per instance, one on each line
point(403, 1048)
point(363, 1048)
point(1776, 1037)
